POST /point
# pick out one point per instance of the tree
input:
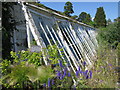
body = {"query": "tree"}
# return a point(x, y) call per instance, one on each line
point(117, 19)
point(88, 19)
point(109, 21)
point(100, 18)
point(84, 17)
point(68, 8)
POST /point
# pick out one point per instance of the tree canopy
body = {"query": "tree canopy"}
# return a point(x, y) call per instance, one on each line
point(84, 17)
point(109, 21)
point(68, 8)
point(100, 18)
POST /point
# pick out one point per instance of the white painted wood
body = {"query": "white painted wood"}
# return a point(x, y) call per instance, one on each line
point(67, 48)
point(34, 30)
point(71, 46)
point(28, 34)
point(61, 44)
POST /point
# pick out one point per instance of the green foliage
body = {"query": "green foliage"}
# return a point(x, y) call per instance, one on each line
point(117, 19)
point(118, 51)
point(82, 84)
point(104, 73)
point(17, 76)
point(110, 34)
point(88, 19)
point(34, 42)
point(44, 73)
point(31, 57)
point(92, 23)
point(24, 68)
point(100, 18)
point(38, 4)
point(63, 83)
point(74, 17)
point(109, 21)
point(68, 8)
point(54, 54)
point(27, 72)
point(4, 66)
point(84, 17)
point(27, 67)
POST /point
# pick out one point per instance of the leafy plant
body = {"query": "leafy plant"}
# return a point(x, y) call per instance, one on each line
point(31, 57)
point(53, 53)
point(44, 73)
point(4, 65)
point(104, 73)
point(16, 76)
point(21, 73)
point(110, 34)
point(33, 42)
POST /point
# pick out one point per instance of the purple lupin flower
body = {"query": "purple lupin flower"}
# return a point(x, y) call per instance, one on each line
point(79, 69)
point(48, 82)
point(77, 73)
point(44, 85)
point(101, 81)
point(53, 82)
point(64, 72)
point(58, 73)
point(87, 76)
point(60, 64)
point(90, 74)
point(61, 77)
point(65, 69)
point(84, 63)
point(110, 64)
point(69, 75)
point(86, 71)
point(74, 88)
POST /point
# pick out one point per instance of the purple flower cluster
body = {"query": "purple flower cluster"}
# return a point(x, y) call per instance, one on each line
point(61, 74)
point(87, 74)
point(84, 63)
point(60, 63)
point(49, 84)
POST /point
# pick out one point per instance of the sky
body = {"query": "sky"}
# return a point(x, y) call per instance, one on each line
point(110, 8)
